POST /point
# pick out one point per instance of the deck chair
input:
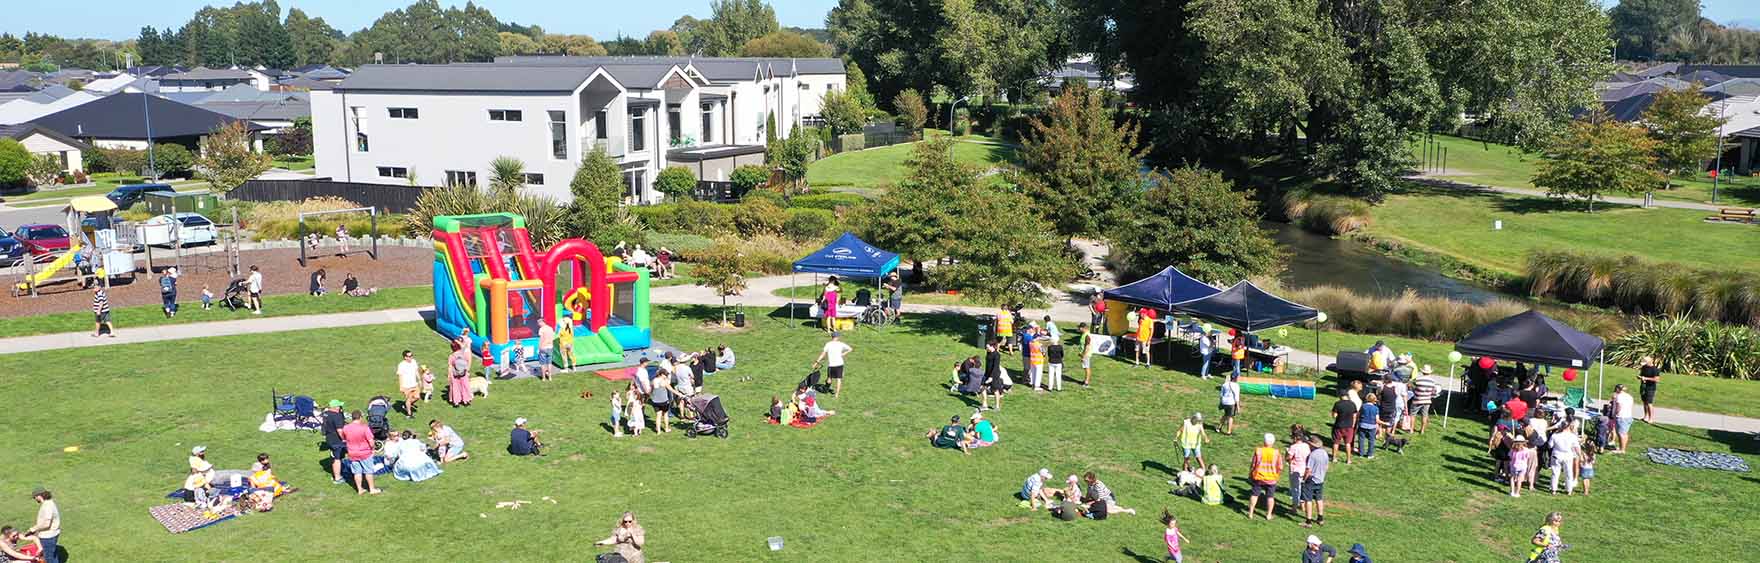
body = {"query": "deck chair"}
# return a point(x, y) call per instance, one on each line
point(305, 413)
point(282, 404)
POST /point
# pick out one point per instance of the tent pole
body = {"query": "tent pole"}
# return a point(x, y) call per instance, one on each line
point(1603, 363)
point(1448, 400)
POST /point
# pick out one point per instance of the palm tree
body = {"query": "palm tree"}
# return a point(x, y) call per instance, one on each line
point(506, 174)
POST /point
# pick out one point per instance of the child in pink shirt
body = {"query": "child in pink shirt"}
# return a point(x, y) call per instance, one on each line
point(1172, 536)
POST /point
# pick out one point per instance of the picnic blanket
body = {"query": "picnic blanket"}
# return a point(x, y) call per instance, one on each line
point(1696, 460)
point(179, 518)
point(798, 423)
point(617, 374)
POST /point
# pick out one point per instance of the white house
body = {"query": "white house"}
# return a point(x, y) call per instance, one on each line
point(43, 141)
point(201, 79)
point(444, 124)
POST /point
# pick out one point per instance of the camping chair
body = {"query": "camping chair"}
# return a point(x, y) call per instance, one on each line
point(1574, 398)
point(305, 413)
point(282, 404)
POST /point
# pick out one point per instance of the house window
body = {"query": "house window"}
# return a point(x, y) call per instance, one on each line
point(635, 179)
point(674, 124)
point(638, 140)
point(601, 125)
point(360, 142)
point(461, 178)
point(505, 115)
point(402, 113)
point(534, 179)
point(393, 172)
point(708, 123)
point(558, 135)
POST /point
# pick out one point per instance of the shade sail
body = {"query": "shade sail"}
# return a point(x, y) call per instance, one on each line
point(848, 256)
point(1161, 291)
point(1534, 338)
point(1246, 307)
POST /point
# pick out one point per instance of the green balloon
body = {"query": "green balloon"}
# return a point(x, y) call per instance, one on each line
point(1454, 356)
point(1282, 332)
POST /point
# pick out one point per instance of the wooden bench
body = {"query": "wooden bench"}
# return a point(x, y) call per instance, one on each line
point(1735, 215)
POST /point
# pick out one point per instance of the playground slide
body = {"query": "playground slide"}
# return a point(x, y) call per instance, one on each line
point(594, 348)
point(50, 270)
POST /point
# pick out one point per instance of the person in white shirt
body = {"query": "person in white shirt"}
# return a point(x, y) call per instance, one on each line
point(1230, 397)
point(1622, 416)
point(724, 360)
point(48, 527)
point(1565, 447)
point(1206, 347)
point(832, 356)
point(409, 382)
point(254, 283)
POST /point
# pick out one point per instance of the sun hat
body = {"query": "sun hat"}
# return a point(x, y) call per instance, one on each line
point(976, 416)
point(1405, 358)
point(1197, 416)
point(521, 421)
point(1357, 549)
point(1426, 370)
point(1313, 539)
point(198, 450)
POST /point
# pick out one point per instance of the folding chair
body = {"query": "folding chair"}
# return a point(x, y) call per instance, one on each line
point(282, 404)
point(305, 413)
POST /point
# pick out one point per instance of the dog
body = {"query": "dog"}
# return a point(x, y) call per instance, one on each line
point(480, 386)
point(1398, 445)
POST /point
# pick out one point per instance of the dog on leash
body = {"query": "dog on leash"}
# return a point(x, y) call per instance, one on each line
point(1398, 445)
point(480, 386)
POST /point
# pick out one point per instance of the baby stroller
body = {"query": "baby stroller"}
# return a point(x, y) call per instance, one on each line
point(236, 295)
point(711, 418)
point(378, 417)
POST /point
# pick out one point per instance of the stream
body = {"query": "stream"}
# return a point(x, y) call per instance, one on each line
point(1316, 260)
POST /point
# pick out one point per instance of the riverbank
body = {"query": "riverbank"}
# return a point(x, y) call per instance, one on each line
point(1498, 165)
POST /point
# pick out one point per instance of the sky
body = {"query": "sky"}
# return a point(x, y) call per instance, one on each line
point(602, 19)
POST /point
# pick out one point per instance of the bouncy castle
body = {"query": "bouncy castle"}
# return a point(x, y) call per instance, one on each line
point(488, 279)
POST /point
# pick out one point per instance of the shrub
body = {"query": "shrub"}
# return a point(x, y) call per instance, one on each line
point(15, 163)
point(1686, 345)
point(96, 161)
point(852, 142)
point(1430, 318)
point(661, 217)
point(703, 218)
point(45, 170)
point(280, 219)
point(768, 254)
point(172, 160)
point(758, 217)
point(1326, 214)
point(677, 183)
point(750, 176)
point(805, 224)
point(828, 201)
point(1639, 286)
point(127, 161)
point(679, 243)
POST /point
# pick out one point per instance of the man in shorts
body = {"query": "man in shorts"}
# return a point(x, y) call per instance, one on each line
point(832, 357)
point(332, 427)
point(409, 382)
point(1191, 441)
point(1230, 395)
point(1267, 466)
point(254, 283)
point(1424, 391)
point(1344, 426)
point(546, 345)
point(1314, 483)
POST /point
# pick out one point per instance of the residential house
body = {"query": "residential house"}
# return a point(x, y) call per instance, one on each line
point(304, 84)
point(443, 124)
point(24, 111)
point(123, 82)
point(202, 79)
point(132, 120)
point(1083, 69)
point(43, 141)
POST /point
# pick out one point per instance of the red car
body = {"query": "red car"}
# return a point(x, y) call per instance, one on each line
point(42, 239)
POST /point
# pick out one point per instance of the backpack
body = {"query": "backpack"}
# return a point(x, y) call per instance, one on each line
point(165, 284)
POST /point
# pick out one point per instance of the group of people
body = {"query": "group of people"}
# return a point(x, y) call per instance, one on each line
point(978, 433)
point(200, 486)
point(1042, 351)
point(1094, 500)
point(832, 298)
point(659, 262)
point(37, 543)
point(351, 285)
point(354, 448)
point(666, 386)
point(1526, 440)
point(102, 324)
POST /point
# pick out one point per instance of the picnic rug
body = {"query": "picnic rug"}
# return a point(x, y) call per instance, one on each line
point(179, 518)
point(617, 374)
point(1696, 460)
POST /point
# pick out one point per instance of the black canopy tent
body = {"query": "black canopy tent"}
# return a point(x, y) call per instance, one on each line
point(1245, 307)
point(1161, 291)
point(1538, 339)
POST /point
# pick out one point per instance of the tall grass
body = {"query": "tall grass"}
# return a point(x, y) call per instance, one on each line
point(1686, 345)
point(1326, 214)
point(277, 220)
point(1430, 318)
point(1639, 286)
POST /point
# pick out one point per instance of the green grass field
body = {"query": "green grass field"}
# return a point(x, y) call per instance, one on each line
point(296, 162)
point(1493, 164)
point(190, 311)
point(1459, 224)
point(862, 486)
point(880, 166)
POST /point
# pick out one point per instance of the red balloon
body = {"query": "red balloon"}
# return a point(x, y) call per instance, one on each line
point(1570, 374)
point(1487, 363)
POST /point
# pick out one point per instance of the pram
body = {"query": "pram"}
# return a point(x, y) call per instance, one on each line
point(711, 418)
point(236, 296)
point(378, 417)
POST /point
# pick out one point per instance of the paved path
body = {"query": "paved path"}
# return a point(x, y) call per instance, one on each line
point(1069, 308)
point(1449, 181)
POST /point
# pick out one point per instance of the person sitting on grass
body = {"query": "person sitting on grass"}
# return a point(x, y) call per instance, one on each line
point(200, 482)
point(18, 547)
point(1034, 490)
point(1100, 496)
point(448, 446)
point(317, 286)
point(983, 431)
point(952, 436)
point(264, 485)
point(352, 286)
point(1213, 486)
point(724, 358)
point(807, 404)
point(409, 458)
point(523, 442)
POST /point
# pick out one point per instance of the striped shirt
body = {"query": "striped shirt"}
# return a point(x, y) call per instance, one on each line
point(1424, 390)
point(1099, 491)
point(100, 302)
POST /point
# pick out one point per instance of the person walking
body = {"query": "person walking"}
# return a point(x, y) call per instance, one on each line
point(1547, 542)
point(1296, 458)
point(628, 539)
point(168, 292)
point(47, 528)
point(101, 312)
point(1206, 350)
point(1230, 393)
point(1172, 536)
point(1567, 447)
point(254, 283)
point(1424, 391)
point(832, 355)
point(1649, 374)
point(1191, 441)
point(409, 382)
point(1314, 483)
point(1622, 416)
point(1267, 464)
point(359, 440)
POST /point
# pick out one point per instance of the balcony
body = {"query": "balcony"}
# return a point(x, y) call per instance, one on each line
point(614, 146)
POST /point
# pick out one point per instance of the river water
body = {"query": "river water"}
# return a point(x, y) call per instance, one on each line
point(1316, 260)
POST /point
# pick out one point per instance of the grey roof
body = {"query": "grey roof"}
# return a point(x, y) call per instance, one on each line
point(638, 75)
point(119, 116)
point(154, 70)
point(48, 94)
point(467, 77)
point(22, 130)
point(275, 110)
point(14, 77)
point(306, 83)
point(325, 73)
point(204, 73)
point(247, 93)
point(712, 152)
point(719, 69)
point(1650, 86)
point(1658, 70)
point(1704, 77)
point(191, 98)
point(1733, 71)
point(1735, 87)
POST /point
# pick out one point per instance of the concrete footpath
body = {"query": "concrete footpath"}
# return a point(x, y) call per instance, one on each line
point(1069, 309)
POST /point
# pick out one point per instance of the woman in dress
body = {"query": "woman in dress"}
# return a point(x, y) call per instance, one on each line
point(458, 371)
point(829, 298)
point(409, 458)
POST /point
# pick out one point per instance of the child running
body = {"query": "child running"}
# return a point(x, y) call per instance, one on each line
point(1173, 537)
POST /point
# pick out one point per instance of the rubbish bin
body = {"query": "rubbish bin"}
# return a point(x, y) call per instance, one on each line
point(986, 329)
point(739, 319)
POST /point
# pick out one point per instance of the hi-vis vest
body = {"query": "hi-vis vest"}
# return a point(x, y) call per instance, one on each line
point(1265, 465)
point(1004, 324)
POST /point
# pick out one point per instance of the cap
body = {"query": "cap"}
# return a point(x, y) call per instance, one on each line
point(336, 403)
point(521, 421)
point(1357, 549)
point(1197, 416)
point(1045, 473)
point(40, 491)
point(836, 333)
point(977, 415)
point(1270, 439)
point(1313, 540)
point(198, 450)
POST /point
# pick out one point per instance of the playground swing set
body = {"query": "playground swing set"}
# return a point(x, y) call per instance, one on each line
point(370, 248)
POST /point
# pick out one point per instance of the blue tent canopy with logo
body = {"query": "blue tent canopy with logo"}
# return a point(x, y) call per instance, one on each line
point(848, 256)
point(1161, 290)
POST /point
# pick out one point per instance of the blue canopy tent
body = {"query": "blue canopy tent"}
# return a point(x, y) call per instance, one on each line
point(1161, 291)
point(847, 256)
point(1245, 307)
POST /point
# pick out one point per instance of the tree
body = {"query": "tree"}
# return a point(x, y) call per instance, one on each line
point(506, 174)
point(685, 27)
point(1367, 156)
point(785, 44)
point(1003, 251)
point(45, 170)
point(1685, 134)
point(227, 160)
point(770, 131)
point(749, 177)
point(15, 163)
point(293, 141)
point(911, 109)
point(262, 39)
point(792, 155)
point(313, 41)
point(665, 43)
point(1078, 167)
point(924, 209)
point(150, 46)
point(1193, 219)
point(571, 45)
point(856, 82)
point(731, 24)
point(722, 267)
point(678, 183)
point(1598, 155)
point(597, 188)
point(517, 44)
point(1642, 27)
point(842, 112)
point(625, 47)
point(172, 160)
point(974, 46)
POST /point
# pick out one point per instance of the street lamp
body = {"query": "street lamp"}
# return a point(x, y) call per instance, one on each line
point(950, 113)
point(1716, 168)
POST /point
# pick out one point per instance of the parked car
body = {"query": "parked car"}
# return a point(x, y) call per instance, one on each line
point(126, 196)
point(42, 239)
point(11, 250)
point(192, 228)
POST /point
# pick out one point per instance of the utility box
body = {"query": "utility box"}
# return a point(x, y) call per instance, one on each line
point(165, 203)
